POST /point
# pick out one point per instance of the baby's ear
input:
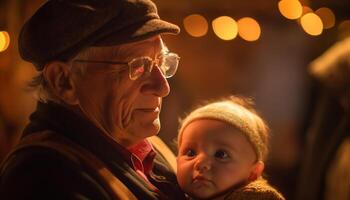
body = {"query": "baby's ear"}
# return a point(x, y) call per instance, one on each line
point(256, 171)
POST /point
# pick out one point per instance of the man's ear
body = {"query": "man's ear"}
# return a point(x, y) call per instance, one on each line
point(59, 79)
point(256, 171)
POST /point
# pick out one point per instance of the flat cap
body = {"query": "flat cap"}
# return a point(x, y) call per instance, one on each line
point(60, 29)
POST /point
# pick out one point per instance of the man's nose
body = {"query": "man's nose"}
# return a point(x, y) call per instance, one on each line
point(156, 83)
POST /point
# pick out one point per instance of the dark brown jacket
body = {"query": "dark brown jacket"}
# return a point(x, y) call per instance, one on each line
point(44, 172)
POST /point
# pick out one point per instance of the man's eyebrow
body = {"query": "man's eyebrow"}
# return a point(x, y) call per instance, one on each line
point(127, 54)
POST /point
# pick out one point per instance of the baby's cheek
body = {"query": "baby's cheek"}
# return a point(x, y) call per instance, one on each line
point(183, 173)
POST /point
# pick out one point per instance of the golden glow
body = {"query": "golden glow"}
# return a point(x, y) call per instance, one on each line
point(312, 24)
point(4, 40)
point(291, 9)
point(327, 16)
point(225, 27)
point(196, 25)
point(307, 9)
point(344, 28)
point(344, 25)
point(248, 29)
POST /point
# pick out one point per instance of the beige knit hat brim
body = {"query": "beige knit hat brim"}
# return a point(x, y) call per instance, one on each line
point(233, 114)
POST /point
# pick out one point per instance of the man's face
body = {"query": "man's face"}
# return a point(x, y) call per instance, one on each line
point(213, 157)
point(128, 110)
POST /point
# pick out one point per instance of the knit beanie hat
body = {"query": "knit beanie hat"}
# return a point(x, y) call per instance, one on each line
point(244, 119)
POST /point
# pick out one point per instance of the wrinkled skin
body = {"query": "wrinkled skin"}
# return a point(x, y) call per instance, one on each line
point(125, 109)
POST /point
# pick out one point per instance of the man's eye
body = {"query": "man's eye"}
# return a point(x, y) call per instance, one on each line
point(220, 154)
point(190, 153)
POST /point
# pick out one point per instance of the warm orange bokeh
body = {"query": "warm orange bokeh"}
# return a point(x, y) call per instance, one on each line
point(196, 25)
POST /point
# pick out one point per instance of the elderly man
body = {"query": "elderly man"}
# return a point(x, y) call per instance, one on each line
point(102, 76)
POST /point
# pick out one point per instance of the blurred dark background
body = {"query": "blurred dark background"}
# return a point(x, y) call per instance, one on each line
point(272, 69)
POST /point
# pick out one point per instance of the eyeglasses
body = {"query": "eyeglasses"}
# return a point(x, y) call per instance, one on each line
point(167, 63)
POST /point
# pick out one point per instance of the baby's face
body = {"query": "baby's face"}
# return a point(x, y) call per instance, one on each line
point(213, 157)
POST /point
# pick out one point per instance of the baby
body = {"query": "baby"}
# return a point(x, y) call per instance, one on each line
point(222, 149)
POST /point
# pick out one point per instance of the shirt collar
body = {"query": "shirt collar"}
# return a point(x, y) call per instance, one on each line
point(142, 156)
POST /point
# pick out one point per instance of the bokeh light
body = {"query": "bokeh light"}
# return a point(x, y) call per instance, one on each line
point(248, 29)
point(344, 28)
point(306, 9)
point(344, 25)
point(4, 40)
point(225, 27)
point(312, 24)
point(196, 25)
point(327, 16)
point(291, 9)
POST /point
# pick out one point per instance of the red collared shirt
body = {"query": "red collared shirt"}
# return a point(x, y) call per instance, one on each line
point(141, 157)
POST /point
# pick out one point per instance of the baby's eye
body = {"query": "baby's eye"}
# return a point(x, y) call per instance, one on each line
point(190, 153)
point(221, 154)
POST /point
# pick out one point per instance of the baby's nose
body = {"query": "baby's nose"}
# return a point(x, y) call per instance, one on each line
point(203, 164)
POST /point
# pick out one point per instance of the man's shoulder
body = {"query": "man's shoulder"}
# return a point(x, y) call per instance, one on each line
point(37, 171)
point(36, 158)
point(39, 154)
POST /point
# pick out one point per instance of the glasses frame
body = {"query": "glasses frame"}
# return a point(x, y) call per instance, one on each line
point(153, 62)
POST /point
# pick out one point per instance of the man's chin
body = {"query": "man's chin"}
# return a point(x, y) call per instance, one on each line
point(149, 129)
point(153, 128)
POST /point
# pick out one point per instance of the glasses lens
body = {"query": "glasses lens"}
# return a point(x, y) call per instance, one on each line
point(138, 67)
point(168, 64)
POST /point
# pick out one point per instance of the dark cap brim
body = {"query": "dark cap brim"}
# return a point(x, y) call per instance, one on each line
point(137, 32)
point(60, 29)
point(132, 33)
